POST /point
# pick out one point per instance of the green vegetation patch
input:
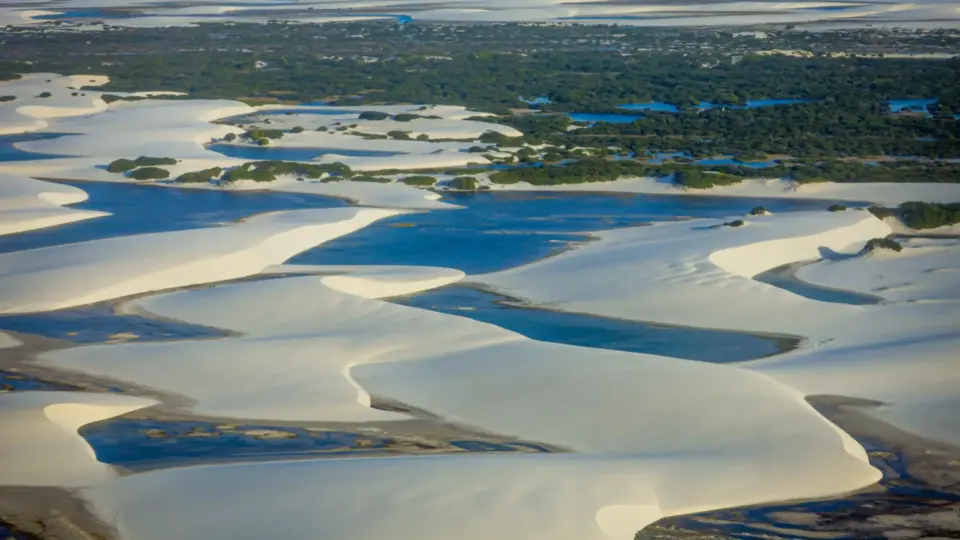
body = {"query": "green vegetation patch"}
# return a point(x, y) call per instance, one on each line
point(145, 161)
point(267, 171)
point(149, 173)
point(702, 179)
point(198, 177)
point(371, 178)
point(374, 115)
point(920, 215)
point(419, 180)
point(464, 183)
point(882, 243)
point(121, 165)
point(259, 134)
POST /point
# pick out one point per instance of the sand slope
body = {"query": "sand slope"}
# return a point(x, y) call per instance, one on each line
point(659, 436)
point(27, 204)
point(76, 274)
point(901, 353)
point(41, 446)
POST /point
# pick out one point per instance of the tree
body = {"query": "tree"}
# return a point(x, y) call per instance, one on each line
point(204, 175)
point(399, 135)
point(419, 180)
point(144, 161)
point(920, 215)
point(149, 173)
point(464, 183)
point(297, 129)
point(882, 243)
point(374, 115)
point(121, 165)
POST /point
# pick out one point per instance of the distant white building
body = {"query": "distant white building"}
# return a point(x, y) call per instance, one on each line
point(259, 64)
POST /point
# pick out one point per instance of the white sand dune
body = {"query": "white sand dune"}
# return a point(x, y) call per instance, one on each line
point(692, 272)
point(31, 112)
point(901, 353)
point(375, 281)
point(915, 376)
point(888, 194)
point(364, 193)
point(927, 270)
point(41, 446)
point(180, 129)
point(8, 342)
point(660, 436)
point(75, 274)
point(27, 204)
point(159, 128)
point(559, 497)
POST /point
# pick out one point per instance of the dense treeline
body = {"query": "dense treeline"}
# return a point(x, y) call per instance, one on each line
point(898, 171)
point(488, 71)
point(920, 215)
point(701, 177)
point(488, 67)
point(204, 175)
point(849, 127)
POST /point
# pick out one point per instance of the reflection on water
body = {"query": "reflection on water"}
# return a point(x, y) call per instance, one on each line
point(593, 331)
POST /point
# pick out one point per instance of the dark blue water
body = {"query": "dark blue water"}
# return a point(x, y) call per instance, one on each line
point(658, 106)
point(661, 106)
point(133, 442)
point(97, 323)
point(8, 152)
point(601, 332)
point(499, 230)
point(141, 444)
point(610, 118)
point(912, 105)
point(735, 162)
point(18, 382)
point(290, 154)
point(138, 209)
point(542, 100)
